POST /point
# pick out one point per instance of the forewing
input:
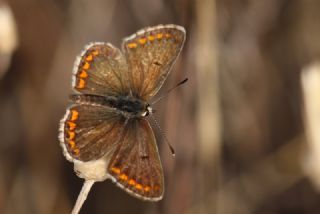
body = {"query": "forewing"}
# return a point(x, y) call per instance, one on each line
point(135, 165)
point(88, 132)
point(150, 53)
point(101, 69)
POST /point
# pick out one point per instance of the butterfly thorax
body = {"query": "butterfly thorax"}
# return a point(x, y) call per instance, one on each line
point(128, 106)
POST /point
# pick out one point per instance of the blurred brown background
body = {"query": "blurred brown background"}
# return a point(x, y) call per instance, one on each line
point(238, 125)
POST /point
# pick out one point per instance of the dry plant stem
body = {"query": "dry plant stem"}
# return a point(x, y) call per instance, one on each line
point(82, 196)
point(271, 176)
point(208, 122)
point(311, 88)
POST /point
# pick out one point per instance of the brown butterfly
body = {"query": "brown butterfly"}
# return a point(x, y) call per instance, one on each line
point(105, 131)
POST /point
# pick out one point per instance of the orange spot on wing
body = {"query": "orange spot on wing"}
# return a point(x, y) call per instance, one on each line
point(83, 74)
point(95, 52)
point(81, 83)
point(89, 58)
point(159, 36)
point(71, 125)
point(76, 151)
point(72, 144)
point(123, 177)
point(151, 38)
point(132, 182)
point(142, 41)
point(132, 45)
point(71, 135)
point(138, 186)
point(86, 66)
point(115, 170)
point(74, 115)
point(147, 188)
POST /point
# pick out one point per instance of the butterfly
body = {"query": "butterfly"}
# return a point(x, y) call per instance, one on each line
point(105, 132)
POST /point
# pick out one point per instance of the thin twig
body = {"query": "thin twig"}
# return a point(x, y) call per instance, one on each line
point(82, 196)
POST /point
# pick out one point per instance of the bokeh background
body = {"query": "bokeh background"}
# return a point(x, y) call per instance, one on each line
point(245, 127)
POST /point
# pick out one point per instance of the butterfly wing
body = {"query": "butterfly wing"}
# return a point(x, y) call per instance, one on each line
point(135, 165)
point(150, 53)
point(101, 69)
point(88, 132)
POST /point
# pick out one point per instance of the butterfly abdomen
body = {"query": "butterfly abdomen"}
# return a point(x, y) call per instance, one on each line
point(128, 106)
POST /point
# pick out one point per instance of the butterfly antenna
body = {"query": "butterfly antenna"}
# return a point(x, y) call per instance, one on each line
point(82, 196)
point(167, 92)
point(164, 135)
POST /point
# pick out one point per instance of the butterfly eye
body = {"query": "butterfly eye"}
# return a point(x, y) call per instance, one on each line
point(144, 114)
point(149, 109)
